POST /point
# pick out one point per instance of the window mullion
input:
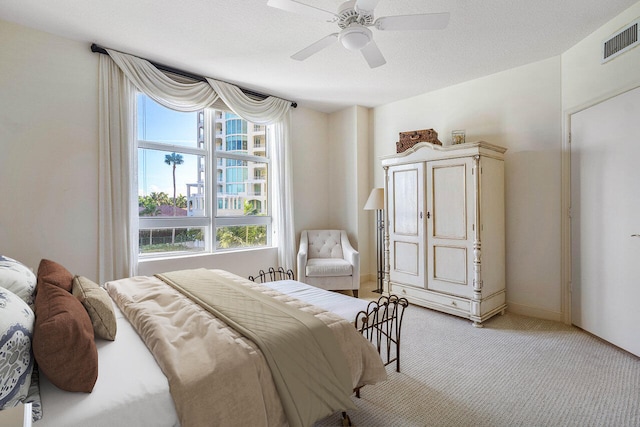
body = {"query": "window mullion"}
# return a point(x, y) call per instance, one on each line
point(152, 145)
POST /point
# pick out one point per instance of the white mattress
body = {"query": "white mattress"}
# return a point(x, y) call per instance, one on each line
point(131, 390)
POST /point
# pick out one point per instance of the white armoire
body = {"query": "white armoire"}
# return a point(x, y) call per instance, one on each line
point(444, 239)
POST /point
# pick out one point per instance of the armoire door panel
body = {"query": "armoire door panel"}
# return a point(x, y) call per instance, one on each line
point(405, 202)
point(450, 228)
point(406, 224)
point(449, 189)
point(406, 258)
point(450, 264)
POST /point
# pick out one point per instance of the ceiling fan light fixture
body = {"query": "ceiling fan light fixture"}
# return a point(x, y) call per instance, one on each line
point(355, 37)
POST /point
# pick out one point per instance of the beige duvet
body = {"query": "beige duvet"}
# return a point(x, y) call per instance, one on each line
point(216, 375)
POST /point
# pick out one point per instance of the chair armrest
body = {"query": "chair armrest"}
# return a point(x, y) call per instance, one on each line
point(302, 256)
point(348, 252)
point(351, 256)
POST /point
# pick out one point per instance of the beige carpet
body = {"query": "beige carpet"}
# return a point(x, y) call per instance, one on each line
point(516, 371)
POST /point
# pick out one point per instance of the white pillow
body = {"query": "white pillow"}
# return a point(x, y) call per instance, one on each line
point(16, 359)
point(17, 278)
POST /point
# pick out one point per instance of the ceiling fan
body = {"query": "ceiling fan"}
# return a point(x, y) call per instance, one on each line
point(354, 17)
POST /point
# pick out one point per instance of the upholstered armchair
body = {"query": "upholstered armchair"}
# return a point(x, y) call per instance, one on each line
point(327, 260)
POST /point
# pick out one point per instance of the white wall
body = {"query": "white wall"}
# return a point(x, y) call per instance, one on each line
point(309, 140)
point(365, 219)
point(349, 182)
point(343, 166)
point(585, 79)
point(520, 110)
point(244, 263)
point(585, 82)
point(48, 140)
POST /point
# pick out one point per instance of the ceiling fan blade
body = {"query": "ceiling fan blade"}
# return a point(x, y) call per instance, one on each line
point(303, 9)
point(315, 47)
point(373, 55)
point(426, 21)
point(366, 5)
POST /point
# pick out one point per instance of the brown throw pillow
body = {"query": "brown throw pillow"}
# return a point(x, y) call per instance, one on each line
point(54, 273)
point(98, 304)
point(63, 343)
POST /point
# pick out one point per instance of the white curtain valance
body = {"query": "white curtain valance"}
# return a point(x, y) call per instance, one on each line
point(161, 88)
point(262, 112)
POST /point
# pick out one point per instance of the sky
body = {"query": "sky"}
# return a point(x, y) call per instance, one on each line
point(159, 124)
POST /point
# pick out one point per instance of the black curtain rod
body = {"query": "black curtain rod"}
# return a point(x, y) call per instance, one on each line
point(97, 49)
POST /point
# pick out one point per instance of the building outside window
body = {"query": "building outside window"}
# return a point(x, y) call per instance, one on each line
point(202, 183)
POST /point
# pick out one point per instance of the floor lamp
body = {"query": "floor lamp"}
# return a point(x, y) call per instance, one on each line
point(376, 202)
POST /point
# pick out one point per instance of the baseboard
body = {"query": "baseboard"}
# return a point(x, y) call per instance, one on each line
point(536, 312)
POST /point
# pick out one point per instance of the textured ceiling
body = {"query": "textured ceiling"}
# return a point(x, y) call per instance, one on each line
point(248, 43)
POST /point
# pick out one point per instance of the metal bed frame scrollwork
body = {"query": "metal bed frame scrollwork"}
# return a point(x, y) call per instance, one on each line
point(381, 324)
point(272, 275)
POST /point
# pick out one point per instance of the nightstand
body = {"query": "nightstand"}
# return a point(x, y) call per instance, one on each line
point(18, 416)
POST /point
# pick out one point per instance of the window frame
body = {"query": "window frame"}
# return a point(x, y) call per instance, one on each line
point(210, 221)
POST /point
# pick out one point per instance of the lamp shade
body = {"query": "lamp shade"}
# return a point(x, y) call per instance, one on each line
point(375, 200)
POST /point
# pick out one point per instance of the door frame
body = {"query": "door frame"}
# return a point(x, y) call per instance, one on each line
point(565, 197)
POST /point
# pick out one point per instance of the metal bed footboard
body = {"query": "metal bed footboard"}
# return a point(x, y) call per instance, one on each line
point(272, 275)
point(381, 324)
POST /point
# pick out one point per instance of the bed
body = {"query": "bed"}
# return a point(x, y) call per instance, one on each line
point(132, 389)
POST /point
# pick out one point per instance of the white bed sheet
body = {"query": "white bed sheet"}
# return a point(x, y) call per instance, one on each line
point(340, 304)
point(131, 389)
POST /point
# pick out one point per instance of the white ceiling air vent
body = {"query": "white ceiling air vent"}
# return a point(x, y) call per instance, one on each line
point(620, 42)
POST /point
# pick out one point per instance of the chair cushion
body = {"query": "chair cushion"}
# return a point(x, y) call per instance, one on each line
point(328, 267)
point(324, 244)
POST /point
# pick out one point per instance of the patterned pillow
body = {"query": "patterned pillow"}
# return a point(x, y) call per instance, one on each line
point(17, 278)
point(16, 360)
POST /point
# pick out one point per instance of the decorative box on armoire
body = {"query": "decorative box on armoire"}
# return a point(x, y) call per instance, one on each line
point(445, 234)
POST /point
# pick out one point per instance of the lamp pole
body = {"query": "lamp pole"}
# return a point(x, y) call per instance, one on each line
point(376, 202)
point(379, 245)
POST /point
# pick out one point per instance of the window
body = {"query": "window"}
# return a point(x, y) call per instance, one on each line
point(200, 188)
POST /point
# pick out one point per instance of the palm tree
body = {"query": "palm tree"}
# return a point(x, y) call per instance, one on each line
point(174, 160)
point(181, 201)
point(160, 198)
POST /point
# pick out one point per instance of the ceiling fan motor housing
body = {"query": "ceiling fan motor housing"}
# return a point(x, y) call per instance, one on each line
point(355, 37)
point(347, 15)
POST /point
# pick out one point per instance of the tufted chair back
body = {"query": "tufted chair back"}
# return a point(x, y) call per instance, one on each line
point(324, 244)
point(327, 260)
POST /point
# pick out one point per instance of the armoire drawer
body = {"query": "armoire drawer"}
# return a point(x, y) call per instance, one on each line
point(437, 301)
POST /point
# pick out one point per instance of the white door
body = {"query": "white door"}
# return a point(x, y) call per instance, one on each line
point(450, 208)
point(406, 224)
point(605, 220)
